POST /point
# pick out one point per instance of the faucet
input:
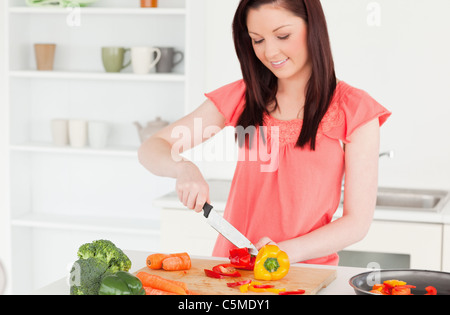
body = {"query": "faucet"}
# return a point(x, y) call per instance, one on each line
point(389, 154)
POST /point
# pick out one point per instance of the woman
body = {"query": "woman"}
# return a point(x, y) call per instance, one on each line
point(313, 126)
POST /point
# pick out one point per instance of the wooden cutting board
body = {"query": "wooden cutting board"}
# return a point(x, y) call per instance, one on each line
point(312, 280)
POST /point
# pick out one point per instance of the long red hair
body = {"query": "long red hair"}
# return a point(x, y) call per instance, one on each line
point(262, 84)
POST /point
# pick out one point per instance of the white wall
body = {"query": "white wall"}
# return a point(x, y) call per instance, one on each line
point(222, 67)
point(404, 63)
point(222, 63)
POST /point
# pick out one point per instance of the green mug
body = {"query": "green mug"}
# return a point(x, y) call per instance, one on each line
point(114, 58)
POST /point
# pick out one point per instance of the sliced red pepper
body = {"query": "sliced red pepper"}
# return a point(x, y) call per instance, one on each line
point(388, 285)
point(386, 289)
point(263, 286)
point(239, 283)
point(239, 252)
point(226, 270)
point(402, 290)
point(240, 258)
point(292, 292)
point(213, 274)
point(431, 290)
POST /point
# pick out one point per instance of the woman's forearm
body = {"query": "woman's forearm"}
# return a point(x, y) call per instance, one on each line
point(156, 155)
point(326, 240)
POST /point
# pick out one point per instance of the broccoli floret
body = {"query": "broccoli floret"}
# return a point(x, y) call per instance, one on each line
point(106, 251)
point(96, 260)
point(86, 276)
point(86, 251)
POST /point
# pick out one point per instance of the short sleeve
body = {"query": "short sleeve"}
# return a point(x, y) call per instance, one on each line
point(352, 109)
point(230, 101)
point(360, 108)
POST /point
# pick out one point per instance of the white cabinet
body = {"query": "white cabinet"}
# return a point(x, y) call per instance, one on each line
point(183, 230)
point(61, 197)
point(421, 241)
point(446, 249)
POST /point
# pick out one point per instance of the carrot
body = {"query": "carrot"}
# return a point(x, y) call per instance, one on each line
point(180, 255)
point(179, 283)
point(154, 261)
point(153, 291)
point(159, 283)
point(180, 261)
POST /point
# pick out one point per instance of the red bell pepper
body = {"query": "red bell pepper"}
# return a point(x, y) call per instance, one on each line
point(292, 292)
point(227, 270)
point(431, 290)
point(240, 258)
point(213, 274)
point(402, 290)
point(239, 283)
point(263, 286)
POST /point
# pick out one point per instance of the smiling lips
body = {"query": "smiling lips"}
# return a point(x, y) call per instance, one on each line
point(279, 64)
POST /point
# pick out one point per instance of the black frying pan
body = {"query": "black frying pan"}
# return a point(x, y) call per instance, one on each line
point(363, 282)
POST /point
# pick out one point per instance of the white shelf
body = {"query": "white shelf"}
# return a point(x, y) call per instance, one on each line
point(73, 75)
point(49, 148)
point(109, 196)
point(131, 226)
point(99, 11)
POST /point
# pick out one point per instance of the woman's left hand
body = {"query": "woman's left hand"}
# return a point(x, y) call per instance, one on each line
point(263, 242)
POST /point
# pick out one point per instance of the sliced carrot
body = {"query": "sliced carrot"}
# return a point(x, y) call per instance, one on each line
point(159, 283)
point(180, 261)
point(154, 261)
point(153, 291)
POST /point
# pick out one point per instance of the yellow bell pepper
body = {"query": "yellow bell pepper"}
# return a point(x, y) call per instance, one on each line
point(271, 263)
point(253, 287)
point(258, 290)
point(244, 288)
point(394, 283)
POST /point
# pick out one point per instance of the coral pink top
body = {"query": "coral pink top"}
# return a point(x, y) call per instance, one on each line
point(282, 191)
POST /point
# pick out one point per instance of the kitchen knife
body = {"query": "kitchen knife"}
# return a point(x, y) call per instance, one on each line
point(227, 230)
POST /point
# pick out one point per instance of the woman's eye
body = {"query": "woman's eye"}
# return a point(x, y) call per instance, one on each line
point(256, 42)
point(283, 37)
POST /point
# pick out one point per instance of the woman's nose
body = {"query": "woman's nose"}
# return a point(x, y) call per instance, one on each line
point(271, 51)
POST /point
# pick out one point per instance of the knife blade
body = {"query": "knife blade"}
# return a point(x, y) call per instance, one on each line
point(227, 230)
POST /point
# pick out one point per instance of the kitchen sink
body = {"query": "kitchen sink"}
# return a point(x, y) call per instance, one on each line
point(412, 199)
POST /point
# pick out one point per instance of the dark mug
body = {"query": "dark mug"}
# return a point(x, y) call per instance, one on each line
point(169, 59)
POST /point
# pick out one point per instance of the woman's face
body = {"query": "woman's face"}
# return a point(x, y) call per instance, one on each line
point(280, 41)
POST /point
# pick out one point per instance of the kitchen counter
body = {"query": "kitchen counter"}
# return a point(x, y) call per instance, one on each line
point(340, 286)
point(421, 237)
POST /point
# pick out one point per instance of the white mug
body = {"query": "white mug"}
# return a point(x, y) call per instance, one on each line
point(60, 132)
point(98, 133)
point(78, 133)
point(144, 59)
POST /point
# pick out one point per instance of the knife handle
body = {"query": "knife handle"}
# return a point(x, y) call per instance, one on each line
point(207, 209)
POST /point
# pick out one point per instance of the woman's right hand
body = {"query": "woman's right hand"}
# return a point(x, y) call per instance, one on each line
point(191, 187)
